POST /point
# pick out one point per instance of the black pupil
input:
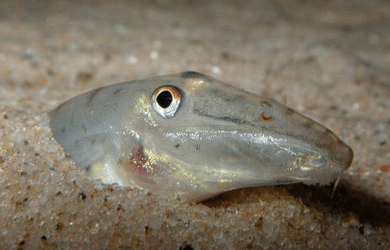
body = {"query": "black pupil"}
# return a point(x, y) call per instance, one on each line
point(164, 99)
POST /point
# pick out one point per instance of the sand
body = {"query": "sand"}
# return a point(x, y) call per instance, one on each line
point(329, 60)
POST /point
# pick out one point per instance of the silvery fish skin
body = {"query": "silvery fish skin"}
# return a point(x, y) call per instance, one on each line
point(194, 136)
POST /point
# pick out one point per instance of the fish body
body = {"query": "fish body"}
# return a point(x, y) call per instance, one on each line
point(195, 136)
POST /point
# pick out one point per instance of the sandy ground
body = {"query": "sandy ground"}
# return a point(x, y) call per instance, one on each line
point(327, 59)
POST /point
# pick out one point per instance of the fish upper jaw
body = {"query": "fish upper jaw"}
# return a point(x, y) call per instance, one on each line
point(321, 168)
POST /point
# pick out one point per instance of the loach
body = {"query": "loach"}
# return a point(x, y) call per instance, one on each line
point(195, 136)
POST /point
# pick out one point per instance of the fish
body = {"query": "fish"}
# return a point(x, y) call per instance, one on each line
point(194, 136)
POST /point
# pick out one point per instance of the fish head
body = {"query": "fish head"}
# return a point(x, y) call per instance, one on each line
point(209, 137)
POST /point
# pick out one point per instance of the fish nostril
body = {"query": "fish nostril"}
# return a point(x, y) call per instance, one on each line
point(265, 117)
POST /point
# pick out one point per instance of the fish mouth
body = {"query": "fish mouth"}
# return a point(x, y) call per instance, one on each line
point(322, 168)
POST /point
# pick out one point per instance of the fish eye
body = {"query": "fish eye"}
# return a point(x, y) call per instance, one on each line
point(166, 101)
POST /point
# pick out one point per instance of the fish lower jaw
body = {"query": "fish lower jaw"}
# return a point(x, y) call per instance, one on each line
point(323, 180)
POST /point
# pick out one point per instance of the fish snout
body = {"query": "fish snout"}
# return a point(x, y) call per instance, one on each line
point(323, 166)
point(341, 156)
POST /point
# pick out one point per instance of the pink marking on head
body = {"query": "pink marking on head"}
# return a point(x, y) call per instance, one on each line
point(138, 163)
